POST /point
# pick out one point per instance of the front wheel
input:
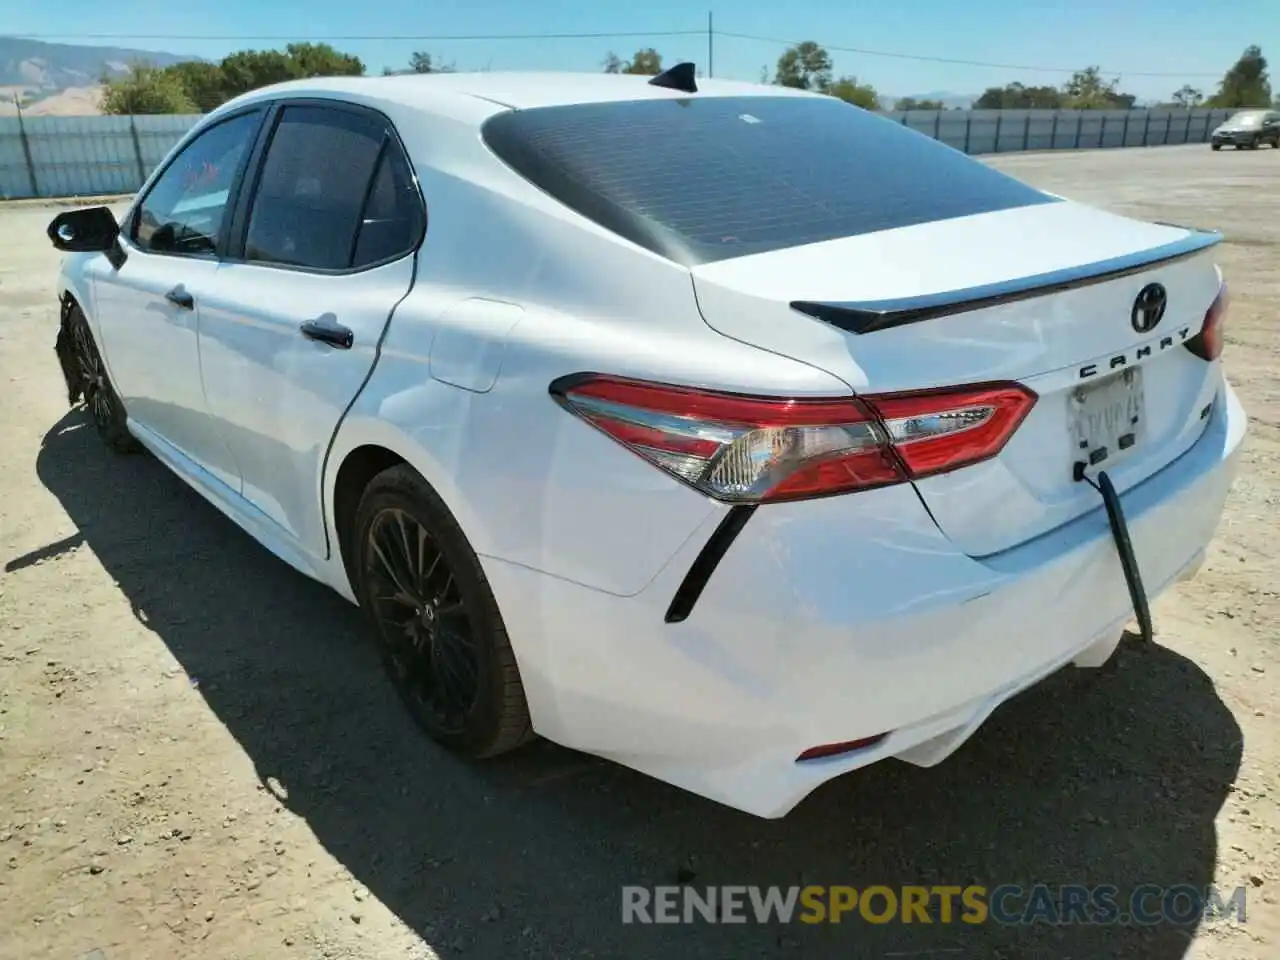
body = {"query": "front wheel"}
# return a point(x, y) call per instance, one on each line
point(94, 385)
point(1215, 146)
point(437, 624)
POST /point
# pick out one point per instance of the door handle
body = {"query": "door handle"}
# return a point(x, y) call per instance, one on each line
point(180, 298)
point(326, 329)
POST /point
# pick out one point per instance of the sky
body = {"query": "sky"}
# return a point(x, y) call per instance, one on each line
point(1154, 46)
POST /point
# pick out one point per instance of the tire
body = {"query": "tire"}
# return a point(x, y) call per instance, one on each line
point(466, 696)
point(1215, 146)
point(94, 386)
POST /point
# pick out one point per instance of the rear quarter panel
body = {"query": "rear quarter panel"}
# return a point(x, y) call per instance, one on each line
point(530, 483)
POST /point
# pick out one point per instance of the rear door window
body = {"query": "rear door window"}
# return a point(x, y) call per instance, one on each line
point(392, 222)
point(707, 178)
point(335, 193)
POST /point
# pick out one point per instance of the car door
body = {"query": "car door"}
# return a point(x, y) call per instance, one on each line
point(1271, 128)
point(324, 250)
point(148, 310)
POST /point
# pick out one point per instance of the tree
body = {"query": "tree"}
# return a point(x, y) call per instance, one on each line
point(1188, 96)
point(322, 60)
point(249, 69)
point(806, 66)
point(1246, 84)
point(203, 82)
point(911, 103)
point(146, 89)
point(1016, 96)
point(1086, 90)
point(201, 86)
point(646, 62)
point(422, 62)
point(859, 94)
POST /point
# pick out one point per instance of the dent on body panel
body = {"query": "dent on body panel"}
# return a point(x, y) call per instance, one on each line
point(470, 343)
point(426, 422)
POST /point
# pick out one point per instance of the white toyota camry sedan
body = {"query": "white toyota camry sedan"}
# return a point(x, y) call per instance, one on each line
point(729, 432)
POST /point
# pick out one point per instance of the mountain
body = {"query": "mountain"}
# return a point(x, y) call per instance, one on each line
point(42, 69)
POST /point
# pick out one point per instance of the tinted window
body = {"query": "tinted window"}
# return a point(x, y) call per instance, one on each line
point(186, 210)
point(307, 208)
point(392, 221)
point(704, 179)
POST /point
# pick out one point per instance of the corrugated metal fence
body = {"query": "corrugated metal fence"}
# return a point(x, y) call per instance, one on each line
point(81, 156)
point(1005, 131)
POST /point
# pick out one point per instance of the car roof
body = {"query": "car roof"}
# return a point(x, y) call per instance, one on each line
point(498, 91)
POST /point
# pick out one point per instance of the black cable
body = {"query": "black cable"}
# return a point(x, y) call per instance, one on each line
point(862, 51)
point(357, 37)
point(967, 63)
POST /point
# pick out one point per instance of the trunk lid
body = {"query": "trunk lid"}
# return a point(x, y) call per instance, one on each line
point(1047, 294)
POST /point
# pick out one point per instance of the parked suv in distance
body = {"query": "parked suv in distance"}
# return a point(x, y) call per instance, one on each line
point(1248, 128)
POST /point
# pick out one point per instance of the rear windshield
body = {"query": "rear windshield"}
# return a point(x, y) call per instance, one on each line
point(709, 178)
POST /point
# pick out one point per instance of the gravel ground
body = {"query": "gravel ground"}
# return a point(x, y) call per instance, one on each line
point(199, 756)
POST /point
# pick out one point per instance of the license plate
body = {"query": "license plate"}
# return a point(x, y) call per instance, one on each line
point(1107, 419)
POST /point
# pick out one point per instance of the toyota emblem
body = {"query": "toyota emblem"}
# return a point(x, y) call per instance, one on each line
point(1149, 307)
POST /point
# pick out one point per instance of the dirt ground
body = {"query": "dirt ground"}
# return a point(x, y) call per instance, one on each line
point(199, 756)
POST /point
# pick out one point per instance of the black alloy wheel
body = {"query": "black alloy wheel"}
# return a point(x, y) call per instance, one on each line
point(421, 618)
point(437, 625)
point(100, 398)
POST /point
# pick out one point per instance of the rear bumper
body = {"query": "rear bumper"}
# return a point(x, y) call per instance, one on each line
point(839, 619)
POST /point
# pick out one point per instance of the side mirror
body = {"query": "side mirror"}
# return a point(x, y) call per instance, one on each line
point(91, 230)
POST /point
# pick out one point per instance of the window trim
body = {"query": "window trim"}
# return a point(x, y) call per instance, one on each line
point(129, 234)
point(237, 235)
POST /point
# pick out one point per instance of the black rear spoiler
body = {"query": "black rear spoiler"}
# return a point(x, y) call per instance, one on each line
point(872, 315)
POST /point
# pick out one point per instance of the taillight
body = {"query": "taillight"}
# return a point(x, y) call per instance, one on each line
point(937, 431)
point(1207, 344)
point(749, 449)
